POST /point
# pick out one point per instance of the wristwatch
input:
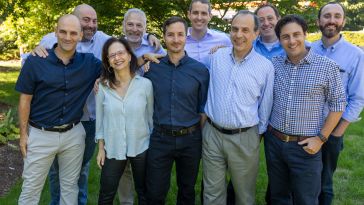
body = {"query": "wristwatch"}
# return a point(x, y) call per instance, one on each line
point(322, 138)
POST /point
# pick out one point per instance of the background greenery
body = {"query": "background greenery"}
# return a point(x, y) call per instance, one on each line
point(24, 22)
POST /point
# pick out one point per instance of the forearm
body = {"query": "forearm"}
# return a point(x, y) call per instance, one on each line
point(24, 111)
point(141, 61)
point(101, 143)
point(341, 128)
point(203, 119)
point(330, 123)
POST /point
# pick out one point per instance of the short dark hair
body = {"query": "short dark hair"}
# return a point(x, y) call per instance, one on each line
point(276, 12)
point(107, 73)
point(292, 18)
point(247, 12)
point(329, 3)
point(202, 2)
point(172, 20)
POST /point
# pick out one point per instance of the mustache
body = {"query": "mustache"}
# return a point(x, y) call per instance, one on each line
point(89, 28)
point(331, 24)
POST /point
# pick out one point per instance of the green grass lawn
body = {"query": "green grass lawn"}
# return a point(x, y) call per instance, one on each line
point(349, 178)
point(8, 78)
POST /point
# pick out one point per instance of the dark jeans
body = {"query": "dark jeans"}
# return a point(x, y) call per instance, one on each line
point(185, 151)
point(111, 173)
point(293, 173)
point(330, 155)
point(53, 174)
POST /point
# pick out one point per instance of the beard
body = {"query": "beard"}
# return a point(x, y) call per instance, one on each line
point(329, 33)
point(88, 33)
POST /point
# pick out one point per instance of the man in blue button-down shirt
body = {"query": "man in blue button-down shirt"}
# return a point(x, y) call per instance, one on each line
point(267, 42)
point(238, 107)
point(180, 86)
point(331, 20)
point(304, 83)
point(53, 92)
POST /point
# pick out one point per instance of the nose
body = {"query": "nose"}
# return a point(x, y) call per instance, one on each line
point(332, 19)
point(68, 36)
point(264, 22)
point(291, 40)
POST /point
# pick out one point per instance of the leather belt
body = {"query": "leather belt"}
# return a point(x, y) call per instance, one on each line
point(285, 137)
point(177, 132)
point(227, 131)
point(61, 128)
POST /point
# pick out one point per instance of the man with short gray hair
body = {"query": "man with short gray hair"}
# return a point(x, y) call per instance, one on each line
point(231, 138)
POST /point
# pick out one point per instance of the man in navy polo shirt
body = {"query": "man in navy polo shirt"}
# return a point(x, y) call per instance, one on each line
point(53, 92)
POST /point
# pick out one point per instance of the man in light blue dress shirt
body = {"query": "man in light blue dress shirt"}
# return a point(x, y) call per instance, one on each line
point(200, 39)
point(231, 138)
point(331, 20)
point(92, 42)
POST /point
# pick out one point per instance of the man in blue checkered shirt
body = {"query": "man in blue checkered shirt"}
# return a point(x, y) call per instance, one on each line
point(304, 82)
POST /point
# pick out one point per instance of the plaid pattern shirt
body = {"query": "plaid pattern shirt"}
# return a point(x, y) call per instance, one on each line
point(301, 91)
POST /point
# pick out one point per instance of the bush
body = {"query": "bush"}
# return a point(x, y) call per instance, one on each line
point(354, 37)
point(8, 128)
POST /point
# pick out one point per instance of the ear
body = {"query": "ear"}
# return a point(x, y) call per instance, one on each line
point(257, 32)
point(189, 15)
point(317, 22)
point(81, 36)
point(344, 22)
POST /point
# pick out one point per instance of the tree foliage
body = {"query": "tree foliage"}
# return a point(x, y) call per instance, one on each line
point(24, 22)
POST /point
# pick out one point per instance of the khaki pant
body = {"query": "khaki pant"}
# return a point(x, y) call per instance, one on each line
point(239, 155)
point(42, 147)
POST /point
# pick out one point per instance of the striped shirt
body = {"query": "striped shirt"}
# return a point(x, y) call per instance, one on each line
point(301, 91)
point(240, 93)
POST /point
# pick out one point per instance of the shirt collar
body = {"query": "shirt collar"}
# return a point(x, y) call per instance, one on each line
point(54, 58)
point(247, 57)
point(182, 61)
point(309, 58)
point(335, 45)
point(208, 32)
point(259, 40)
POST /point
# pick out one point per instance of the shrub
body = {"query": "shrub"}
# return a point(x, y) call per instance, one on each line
point(354, 37)
point(8, 128)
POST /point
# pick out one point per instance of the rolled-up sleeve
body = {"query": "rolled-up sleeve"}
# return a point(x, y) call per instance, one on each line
point(100, 96)
point(336, 95)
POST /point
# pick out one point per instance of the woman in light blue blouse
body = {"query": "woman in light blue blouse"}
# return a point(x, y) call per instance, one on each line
point(124, 109)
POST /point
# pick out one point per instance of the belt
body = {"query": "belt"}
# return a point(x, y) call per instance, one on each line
point(227, 131)
point(177, 132)
point(61, 128)
point(285, 137)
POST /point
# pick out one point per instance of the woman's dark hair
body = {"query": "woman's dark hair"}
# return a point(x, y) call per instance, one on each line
point(108, 74)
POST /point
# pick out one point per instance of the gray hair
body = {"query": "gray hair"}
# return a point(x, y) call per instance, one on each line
point(247, 12)
point(135, 11)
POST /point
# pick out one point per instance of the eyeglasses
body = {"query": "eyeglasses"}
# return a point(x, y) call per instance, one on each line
point(112, 56)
